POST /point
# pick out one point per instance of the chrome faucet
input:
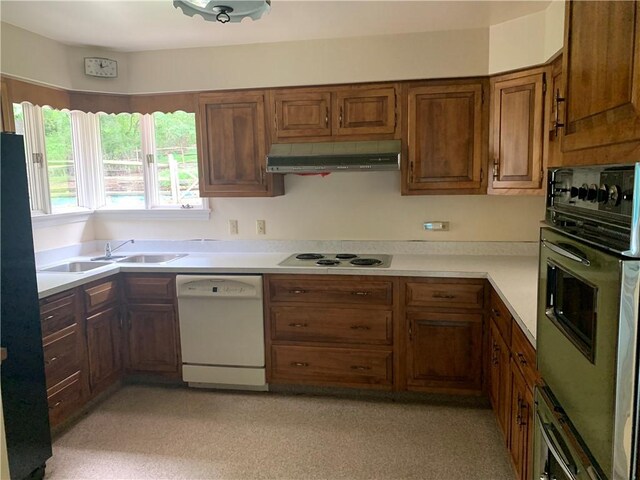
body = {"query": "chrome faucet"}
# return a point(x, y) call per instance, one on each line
point(108, 250)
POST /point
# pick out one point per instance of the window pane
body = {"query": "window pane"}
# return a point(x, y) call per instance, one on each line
point(60, 165)
point(122, 160)
point(176, 159)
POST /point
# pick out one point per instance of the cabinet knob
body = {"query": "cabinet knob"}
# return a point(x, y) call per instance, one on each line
point(56, 405)
point(361, 293)
point(360, 327)
point(297, 292)
point(521, 359)
point(51, 360)
point(360, 367)
point(299, 364)
point(298, 325)
point(443, 295)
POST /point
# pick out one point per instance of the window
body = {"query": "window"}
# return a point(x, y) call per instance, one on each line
point(79, 160)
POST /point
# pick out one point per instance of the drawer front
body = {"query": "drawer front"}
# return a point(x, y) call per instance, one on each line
point(337, 325)
point(331, 365)
point(57, 314)
point(501, 316)
point(101, 295)
point(331, 291)
point(524, 355)
point(64, 399)
point(436, 293)
point(61, 355)
point(150, 287)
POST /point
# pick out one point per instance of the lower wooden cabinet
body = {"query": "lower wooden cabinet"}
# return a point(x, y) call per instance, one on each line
point(151, 338)
point(499, 379)
point(445, 351)
point(521, 434)
point(103, 348)
point(152, 341)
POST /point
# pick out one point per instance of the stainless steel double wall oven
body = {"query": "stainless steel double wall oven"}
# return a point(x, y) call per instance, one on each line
point(587, 332)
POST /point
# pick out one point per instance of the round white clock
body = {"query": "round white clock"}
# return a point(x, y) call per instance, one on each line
point(100, 67)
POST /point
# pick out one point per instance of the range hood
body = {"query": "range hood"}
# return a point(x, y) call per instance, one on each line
point(334, 157)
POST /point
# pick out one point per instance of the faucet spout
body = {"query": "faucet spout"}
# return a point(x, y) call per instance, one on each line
point(108, 250)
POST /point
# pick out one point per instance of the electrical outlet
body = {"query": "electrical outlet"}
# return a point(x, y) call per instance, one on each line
point(436, 226)
point(233, 227)
point(261, 227)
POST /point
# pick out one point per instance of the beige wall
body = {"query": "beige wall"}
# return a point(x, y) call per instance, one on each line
point(345, 205)
point(350, 206)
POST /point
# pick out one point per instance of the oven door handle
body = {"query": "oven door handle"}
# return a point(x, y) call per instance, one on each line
point(556, 450)
point(575, 256)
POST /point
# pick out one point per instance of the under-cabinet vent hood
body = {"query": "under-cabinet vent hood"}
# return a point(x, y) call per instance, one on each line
point(334, 157)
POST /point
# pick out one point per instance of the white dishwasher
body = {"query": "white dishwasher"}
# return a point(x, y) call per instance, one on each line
point(221, 331)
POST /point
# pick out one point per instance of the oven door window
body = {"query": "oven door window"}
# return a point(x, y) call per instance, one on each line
point(571, 306)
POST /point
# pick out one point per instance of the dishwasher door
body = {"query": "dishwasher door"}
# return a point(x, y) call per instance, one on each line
point(221, 330)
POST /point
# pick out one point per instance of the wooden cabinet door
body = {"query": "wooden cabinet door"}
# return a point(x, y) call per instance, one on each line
point(500, 379)
point(445, 139)
point(554, 126)
point(445, 351)
point(151, 338)
point(517, 126)
point(233, 146)
point(602, 74)
point(103, 348)
point(300, 114)
point(360, 111)
point(521, 420)
point(6, 109)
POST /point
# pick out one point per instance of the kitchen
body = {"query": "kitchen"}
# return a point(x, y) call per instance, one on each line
point(362, 213)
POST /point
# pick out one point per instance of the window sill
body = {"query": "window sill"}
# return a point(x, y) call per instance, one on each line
point(155, 214)
point(43, 220)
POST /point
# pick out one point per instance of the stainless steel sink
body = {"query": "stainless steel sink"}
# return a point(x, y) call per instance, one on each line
point(75, 267)
point(152, 258)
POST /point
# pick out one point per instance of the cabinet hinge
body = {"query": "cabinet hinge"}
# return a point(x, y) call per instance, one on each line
point(37, 158)
point(150, 158)
point(482, 96)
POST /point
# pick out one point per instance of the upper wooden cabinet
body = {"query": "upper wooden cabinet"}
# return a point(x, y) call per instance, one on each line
point(331, 113)
point(556, 113)
point(516, 143)
point(602, 78)
point(6, 109)
point(446, 128)
point(233, 146)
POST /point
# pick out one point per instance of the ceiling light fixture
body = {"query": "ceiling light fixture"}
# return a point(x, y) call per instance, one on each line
point(229, 11)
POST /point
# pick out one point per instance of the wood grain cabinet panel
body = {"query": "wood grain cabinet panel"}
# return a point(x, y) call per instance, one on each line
point(300, 114)
point(97, 296)
point(103, 348)
point(339, 325)
point(500, 315)
point(154, 288)
point(517, 126)
point(65, 398)
point(500, 380)
point(442, 293)
point(365, 111)
point(445, 135)
point(602, 75)
point(62, 355)
point(233, 144)
point(321, 365)
point(521, 436)
point(330, 290)
point(445, 351)
point(151, 338)
point(58, 312)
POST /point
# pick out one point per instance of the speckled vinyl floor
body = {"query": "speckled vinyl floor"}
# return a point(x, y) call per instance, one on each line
point(144, 432)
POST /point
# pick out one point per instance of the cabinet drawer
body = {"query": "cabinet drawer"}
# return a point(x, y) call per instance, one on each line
point(61, 355)
point(57, 313)
point(99, 295)
point(338, 325)
point(149, 287)
point(524, 355)
point(501, 316)
point(438, 293)
point(330, 290)
point(64, 398)
point(331, 365)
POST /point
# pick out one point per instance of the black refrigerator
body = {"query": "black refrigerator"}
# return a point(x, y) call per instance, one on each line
point(24, 393)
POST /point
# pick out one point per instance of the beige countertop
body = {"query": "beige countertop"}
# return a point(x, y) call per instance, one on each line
point(514, 277)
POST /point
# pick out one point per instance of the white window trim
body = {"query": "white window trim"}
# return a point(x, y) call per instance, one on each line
point(36, 159)
point(156, 214)
point(41, 220)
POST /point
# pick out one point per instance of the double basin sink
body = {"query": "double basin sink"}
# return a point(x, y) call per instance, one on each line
point(97, 262)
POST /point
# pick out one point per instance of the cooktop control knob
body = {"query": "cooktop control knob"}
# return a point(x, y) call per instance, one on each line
point(614, 195)
point(582, 191)
point(603, 194)
point(592, 193)
point(573, 192)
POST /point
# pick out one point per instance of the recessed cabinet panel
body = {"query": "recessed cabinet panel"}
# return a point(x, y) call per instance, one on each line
point(445, 138)
point(366, 111)
point(301, 114)
point(153, 345)
point(517, 123)
point(103, 348)
point(602, 74)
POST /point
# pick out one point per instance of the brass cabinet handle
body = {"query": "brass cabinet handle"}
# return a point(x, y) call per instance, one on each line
point(340, 118)
point(326, 117)
point(443, 295)
point(556, 122)
point(360, 367)
point(299, 364)
point(49, 317)
point(51, 360)
point(361, 293)
point(297, 292)
point(495, 312)
point(496, 169)
point(298, 325)
point(521, 359)
point(360, 327)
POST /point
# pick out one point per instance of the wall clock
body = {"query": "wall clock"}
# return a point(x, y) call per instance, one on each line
point(100, 67)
